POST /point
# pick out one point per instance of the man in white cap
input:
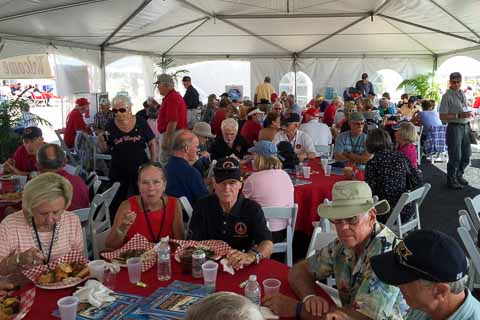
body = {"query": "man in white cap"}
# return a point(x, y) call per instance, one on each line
point(300, 141)
point(363, 296)
point(252, 126)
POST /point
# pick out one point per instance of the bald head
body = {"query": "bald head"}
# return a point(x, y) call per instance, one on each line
point(185, 145)
point(50, 157)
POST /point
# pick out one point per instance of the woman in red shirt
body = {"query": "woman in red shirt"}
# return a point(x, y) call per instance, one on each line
point(151, 214)
point(252, 126)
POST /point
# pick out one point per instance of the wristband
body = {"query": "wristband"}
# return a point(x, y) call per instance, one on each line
point(298, 311)
point(307, 297)
point(17, 259)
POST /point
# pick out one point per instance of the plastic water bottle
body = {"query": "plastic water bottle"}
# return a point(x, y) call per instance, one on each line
point(164, 266)
point(252, 290)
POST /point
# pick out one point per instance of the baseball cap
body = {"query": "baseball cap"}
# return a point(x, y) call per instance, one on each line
point(265, 148)
point(356, 116)
point(82, 102)
point(203, 129)
point(412, 99)
point(455, 76)
point(314, 112)
point(104, 101)
point(291, 118)
point(423, 254)
point(32, 133)
point(186, 78)
point(255, 111)
point(165, 78)
point(364, 75)
point(227, 169)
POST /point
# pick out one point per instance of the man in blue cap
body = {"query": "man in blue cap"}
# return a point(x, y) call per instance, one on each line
point(430, 268)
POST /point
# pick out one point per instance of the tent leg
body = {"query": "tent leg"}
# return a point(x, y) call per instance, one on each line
point(103, 74)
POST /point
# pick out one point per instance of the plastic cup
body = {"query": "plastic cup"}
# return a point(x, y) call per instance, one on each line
point(134, 269)
point(324, 163)
point(209, 270)
point(306, 172)
point(23, 181)
point(328, 170)
point(97, 269)
point(68, 307)
point(109, 278)
point(271, 286)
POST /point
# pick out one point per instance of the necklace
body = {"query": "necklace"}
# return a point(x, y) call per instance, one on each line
point(36, 238)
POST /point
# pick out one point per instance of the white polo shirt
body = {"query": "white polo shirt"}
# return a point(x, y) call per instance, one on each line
point(319, 132)
point(301, 142)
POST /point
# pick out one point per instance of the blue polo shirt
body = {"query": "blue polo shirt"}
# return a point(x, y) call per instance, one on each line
point(184, 180)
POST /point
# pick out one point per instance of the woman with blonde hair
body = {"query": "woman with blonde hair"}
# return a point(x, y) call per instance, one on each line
point(269, 186)
point(42, 231)
point(405, 137)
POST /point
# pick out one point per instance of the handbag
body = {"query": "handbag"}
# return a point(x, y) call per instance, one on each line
point(414, 177)
point(472, 135)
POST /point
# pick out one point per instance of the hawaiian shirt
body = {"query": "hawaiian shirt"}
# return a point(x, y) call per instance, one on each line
point(358, 286)
point(101, 119)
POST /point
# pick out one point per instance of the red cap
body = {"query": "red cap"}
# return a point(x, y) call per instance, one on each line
point(82, 102)
point(273, 97)
point(314, 112)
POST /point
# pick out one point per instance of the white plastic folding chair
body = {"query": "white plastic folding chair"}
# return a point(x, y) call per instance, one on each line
point(289, 214)
point(418, 145)
point(416, 196)
point(473, 208)
point(98, 243)
point(465, 221)
point(86, 217)
point(464, 231)
point(188, 210)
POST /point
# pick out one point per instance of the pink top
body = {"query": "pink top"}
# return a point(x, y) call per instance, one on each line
point(16, 235)
point(270, 188)
point(411, 152)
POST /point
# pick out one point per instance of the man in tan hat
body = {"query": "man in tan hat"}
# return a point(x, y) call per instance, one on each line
point(360, 236)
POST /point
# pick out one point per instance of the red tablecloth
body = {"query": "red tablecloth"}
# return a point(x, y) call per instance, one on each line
point(45, 300)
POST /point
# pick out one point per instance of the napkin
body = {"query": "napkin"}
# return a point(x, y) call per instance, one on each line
point(113, 267)
point(94, 293)
point(226, 267)
point(267, 313)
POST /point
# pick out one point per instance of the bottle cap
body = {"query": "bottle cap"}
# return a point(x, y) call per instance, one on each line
point(252, 277)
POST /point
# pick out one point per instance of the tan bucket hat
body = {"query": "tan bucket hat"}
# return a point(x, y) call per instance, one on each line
point(350, 199)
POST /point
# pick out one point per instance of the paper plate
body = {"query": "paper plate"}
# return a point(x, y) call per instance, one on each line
point(68, 283)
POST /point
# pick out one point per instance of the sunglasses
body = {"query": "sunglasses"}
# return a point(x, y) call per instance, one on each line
point(353, 221)
point(403, 261)
point(154, 164)
point(121, 110)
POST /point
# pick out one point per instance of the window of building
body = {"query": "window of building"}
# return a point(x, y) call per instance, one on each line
point(304, 89)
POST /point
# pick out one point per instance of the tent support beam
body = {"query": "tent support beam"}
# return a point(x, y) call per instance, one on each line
point(429, 29)
point(124, 23)
point(293, 15)
point(154, 32)
point(48, 42)
point(456, 19)
point(381, 7)
point(272, 55)
point(55, 8)
point(185, 36)
point(103, 72)
point(409, 36)
point(331, 35)
point(459, 51)
point(196, 8)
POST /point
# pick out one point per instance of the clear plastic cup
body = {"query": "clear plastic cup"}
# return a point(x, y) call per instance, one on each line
point(324, 163)
point(209, 270)
point(68, 307)
point(306, 172)
point(328, 170)
point(97, 268)
point(23, 181)
point(134, 269)
point(109, 279)
point(298, 170)
point(271, 286)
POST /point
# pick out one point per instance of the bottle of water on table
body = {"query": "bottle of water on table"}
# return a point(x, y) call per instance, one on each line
point(252, 290)
point(164, 266)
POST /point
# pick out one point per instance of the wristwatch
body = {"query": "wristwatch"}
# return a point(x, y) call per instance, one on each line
point(258, 255)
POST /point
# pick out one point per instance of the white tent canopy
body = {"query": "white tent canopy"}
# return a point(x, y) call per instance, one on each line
point(332, 41)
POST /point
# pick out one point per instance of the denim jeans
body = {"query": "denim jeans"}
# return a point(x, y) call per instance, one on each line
point(459, 150)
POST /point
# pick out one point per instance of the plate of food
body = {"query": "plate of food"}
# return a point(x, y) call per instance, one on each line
point(65, 275)
point(16, 304)
point(12, 197)
point(125, 255)
point(9, 307)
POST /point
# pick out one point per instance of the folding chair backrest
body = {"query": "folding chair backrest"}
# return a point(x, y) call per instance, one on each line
point(289, 214)
point(473, 208)
point(470, 246)
point(187, 207)
point(319, 240)
point(110, 193)
point(98, 244)
point(465, 221)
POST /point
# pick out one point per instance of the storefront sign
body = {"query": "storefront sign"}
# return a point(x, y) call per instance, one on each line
point(35, 66)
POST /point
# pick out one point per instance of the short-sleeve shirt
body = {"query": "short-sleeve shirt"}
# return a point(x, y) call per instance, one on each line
point(219, 148)
point(319, 132)
point(301, 142)
point(469, 310)
point(454, 102)
point(217, 122)
point(75, 123)
point(250, 131)
point(358, 286)
point(173, 109)
point(345, 142)
point(242, 228)
point(24, 161)
point(80, 197)
point(430, 119)
point(101, 119)
point(264, 91)
point(16, 235)
point(329, 114)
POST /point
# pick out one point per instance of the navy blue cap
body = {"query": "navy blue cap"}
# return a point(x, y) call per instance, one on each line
point(32, 133)
point(227, 169)
point(290, 118)
point(423, 254)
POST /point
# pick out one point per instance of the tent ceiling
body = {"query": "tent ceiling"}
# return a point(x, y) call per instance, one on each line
point(251, 27)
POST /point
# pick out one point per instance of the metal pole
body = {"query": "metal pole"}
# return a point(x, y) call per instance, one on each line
point(295, 75)
point(103, 74)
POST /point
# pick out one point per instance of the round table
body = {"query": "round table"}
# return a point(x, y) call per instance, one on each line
point(46, 300)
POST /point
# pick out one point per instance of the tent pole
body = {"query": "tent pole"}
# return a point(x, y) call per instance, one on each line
point(435, 64)
point(295, 75)
point(185, 36)
point(456, 19)
point(293, 15)
point(459, 51)
point(103, 74)
point(409, 36)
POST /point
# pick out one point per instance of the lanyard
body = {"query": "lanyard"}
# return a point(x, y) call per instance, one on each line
point(294, 140)
point(354, 147)
point(40, 243)
point(156, 239)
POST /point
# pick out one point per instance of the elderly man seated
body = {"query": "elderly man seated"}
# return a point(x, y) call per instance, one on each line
point(430, 268)
point(226, 215)
point(24, 159)
point(350, 145)
point(319, 132)
point(230, 142)
point(360, 236)
point(300, 141)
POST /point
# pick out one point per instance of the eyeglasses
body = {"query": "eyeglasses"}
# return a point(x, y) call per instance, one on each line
point(358, 123)
point(353, 221)
point(402, 252)
point(121, 110)
point(150, 164)
point(455, 81)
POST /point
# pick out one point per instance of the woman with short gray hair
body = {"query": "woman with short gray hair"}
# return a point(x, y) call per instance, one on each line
point(224, 306)
point(230, 142)
point(42, 231)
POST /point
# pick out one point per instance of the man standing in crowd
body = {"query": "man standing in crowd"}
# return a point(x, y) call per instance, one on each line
point(192, 100)
point(182, 178)
point(430, 268)
point(75, 122)
point(300, 141)
point(51, 158)
point(454, 110)
point(264, 91)
point(102, 116)
point(350, 145)
point(319, 132)
point(172, 115)
point(363, 296)
point(365, 86)
point(24, 159)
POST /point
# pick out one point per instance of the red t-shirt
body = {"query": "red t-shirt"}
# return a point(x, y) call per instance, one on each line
point(329, 114)
point(80, 197)
point(159, 228)
point(174, 109)
point(250, 131)
point(74, 123)
point(23, 161)
point(476, 104)
point(217, 122)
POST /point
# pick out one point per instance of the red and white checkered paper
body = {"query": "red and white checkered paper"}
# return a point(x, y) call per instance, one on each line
point(136, 243)
point(35, 272)
point(26, 302)
point(219, 247)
